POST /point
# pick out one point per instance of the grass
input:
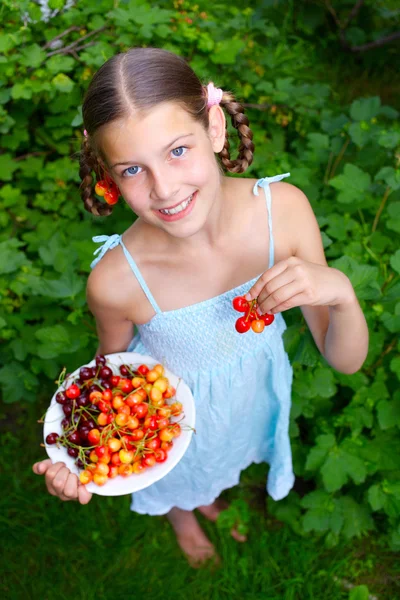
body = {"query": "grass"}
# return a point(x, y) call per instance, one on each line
point(103, 551)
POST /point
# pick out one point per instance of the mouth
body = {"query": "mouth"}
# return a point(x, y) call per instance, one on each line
point(178, 208)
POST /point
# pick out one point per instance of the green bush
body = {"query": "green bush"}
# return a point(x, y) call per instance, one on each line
point(344, 428)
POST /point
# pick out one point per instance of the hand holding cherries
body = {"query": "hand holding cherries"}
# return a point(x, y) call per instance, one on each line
point(251, 319)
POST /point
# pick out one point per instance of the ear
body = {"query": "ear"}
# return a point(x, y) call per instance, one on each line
point(216, 128)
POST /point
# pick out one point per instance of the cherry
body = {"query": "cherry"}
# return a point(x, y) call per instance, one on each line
point(52, 438)
point(257, 325)
point(73, 452)
point(85, 373)
point(67, 409)
point(105, 373)
point(267, 318)
point(79, 463)
point(94, 388)
point(74, 437)
point(65, 423)
point(124, 370)
point(107, 384)
point(61, 398)
point(73, 391)
point(100, 360)
point(83, 433)
point(240, 304)
point(82, 401)
point(242, 325)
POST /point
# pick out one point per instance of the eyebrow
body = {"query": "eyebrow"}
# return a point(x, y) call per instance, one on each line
point(131, 162)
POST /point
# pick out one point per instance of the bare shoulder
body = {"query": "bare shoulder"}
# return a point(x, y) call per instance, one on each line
point(294, 217)
point(112, 288)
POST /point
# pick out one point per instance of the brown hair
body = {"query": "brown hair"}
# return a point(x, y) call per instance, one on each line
point(145, 77)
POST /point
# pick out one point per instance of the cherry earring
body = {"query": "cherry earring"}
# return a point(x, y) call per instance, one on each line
point(108, 189)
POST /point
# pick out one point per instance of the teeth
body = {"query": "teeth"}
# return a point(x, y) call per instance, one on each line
point(177, 209)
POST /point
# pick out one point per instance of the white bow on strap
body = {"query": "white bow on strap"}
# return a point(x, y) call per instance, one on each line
point(267, 180)
point(110, 241)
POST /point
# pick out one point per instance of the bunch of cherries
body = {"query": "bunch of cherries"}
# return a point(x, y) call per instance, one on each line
point(251, 319)
point(117, 424)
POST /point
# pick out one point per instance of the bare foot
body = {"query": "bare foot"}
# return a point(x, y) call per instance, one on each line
point(212, 511)
point(191, 538)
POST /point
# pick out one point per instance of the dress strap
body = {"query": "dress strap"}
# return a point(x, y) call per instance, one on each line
point(111, 241)
point(264, 183)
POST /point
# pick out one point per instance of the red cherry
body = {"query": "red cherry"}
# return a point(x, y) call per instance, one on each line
point(242, 325)
point(143, 370)
point(101, 187)
point(240, 304)
point(111, 197)
point(267, 318)
point(73, 391)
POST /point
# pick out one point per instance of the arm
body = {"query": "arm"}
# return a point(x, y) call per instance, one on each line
point(115, 332)
point(340, 330)
point(324, 294)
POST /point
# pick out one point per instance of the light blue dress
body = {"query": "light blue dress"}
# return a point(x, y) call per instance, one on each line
point(241, 384)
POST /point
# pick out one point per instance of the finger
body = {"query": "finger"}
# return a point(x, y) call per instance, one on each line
point(83, 495)
point(70, 490)
point(275, 284)
point(277, 269)
point(41, 467)
point(58, 482)
point(281, 298)
point(297, 300)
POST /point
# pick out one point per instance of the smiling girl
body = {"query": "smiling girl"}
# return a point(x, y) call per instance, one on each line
point(200, 239)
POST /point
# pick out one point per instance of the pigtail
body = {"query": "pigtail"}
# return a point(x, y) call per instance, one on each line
point(89, 163)
point(246, 146)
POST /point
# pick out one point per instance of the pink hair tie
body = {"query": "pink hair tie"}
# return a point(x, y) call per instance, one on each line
point(214, 95)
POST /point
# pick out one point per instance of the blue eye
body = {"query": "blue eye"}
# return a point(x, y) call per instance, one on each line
point(129, 170)
point(177, 152)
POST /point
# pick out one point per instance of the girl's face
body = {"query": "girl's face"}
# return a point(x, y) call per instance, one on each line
point(164, 165)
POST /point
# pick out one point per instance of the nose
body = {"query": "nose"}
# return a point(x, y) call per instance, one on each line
point(163, 186)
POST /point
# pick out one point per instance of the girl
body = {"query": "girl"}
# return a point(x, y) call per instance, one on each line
point(200, 240)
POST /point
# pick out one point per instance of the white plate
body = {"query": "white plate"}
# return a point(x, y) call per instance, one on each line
point(135, 482)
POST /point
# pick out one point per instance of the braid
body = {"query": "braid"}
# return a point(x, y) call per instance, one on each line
point(246, 146)
point(88, 163)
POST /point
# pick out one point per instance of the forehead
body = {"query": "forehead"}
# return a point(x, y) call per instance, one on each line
point(144, 132)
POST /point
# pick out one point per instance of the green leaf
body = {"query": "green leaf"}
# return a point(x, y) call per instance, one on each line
point(226, 51)
point(389, 139)
point(21, 91)
point(390, 176)
point(376, 497)
point(388, 413)
point(68, 286)
point(360, 592)
point(395, 366)
point(17, 383)
point(352, 184)
point(63, 83)
point(11, 259)
point(324, 512)
point(359, 135)
point(357, 518)
point(7, 167)
point(60, 64)
point(393, 211)
point(32, 56)
point(56, 340)
point(365, 109)
point(363, 277)
point(324, 382)
point(395, 261)
point(319, 452)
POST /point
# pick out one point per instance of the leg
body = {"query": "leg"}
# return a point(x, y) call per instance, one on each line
point(191, 537)
point(212, 511)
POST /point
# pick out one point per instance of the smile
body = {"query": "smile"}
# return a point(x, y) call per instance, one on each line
point(177, 209)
